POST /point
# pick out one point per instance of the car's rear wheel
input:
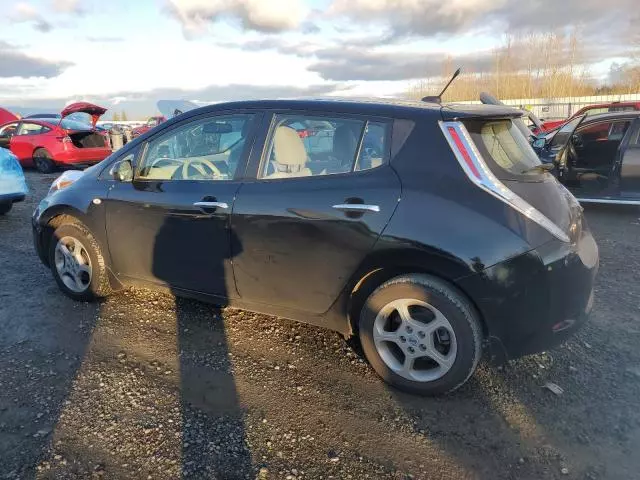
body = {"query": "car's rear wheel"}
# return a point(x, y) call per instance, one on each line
point(420, 334)
point(43, 161)
point(5, 207)
point(77, 263)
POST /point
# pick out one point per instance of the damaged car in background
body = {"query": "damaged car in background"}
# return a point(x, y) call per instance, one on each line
point(49, 143)
point(13, 186)
point(596, 157)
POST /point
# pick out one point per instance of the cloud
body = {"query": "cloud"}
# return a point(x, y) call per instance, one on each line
point(14, 63)
point(26, 13)
point(435, 17)
point(105, 39)
point(141, 104)
point(346, 64)
point(68, 6)
point(196, 16)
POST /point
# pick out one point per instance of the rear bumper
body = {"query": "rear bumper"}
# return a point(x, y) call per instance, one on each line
point(81, 156)
point(537, 300)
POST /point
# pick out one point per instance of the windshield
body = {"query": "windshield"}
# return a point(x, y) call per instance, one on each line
point(504, 147)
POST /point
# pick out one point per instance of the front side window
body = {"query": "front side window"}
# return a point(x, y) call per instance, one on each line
point(9, 129)
point(602, 132)
point(205, 149)
point(561, 137)
point(304, 146)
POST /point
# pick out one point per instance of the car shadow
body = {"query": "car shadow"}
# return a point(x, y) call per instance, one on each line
point(211, 413)
point(150, 390)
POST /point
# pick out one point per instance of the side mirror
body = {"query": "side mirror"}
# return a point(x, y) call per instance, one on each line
point(122, 171)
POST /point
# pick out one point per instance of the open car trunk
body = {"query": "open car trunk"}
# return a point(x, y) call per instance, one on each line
point(87, 139)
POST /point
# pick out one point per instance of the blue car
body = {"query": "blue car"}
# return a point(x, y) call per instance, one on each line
point(13, 186)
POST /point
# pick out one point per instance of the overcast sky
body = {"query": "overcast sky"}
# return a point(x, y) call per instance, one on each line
point(128, 54)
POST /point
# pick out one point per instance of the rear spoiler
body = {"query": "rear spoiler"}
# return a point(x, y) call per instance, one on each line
point(478, 112)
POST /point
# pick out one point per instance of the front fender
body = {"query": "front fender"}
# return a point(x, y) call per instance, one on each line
point(83, 201)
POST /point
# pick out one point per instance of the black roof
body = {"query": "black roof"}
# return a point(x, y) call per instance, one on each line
point(367, 106)
point(612, 116)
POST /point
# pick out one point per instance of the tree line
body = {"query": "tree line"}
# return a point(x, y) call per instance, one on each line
point(536, 65)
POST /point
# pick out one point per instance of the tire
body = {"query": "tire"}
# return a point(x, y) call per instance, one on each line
point(387, 337)
point(96, 285)
point(5, 207)
point(43, 161)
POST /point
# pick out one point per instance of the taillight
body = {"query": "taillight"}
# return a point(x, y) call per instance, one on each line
point(478, 172)
point(65, 139)
point(464, 152)
point(305, 133)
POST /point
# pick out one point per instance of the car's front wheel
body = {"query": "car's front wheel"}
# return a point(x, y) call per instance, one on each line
point(43, 161)
point(420, 334)
point(77, 263)
point(5, 207)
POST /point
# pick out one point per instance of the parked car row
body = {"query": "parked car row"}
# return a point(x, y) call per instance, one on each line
point(47, 143)
point(432, 232)
point(612, 107)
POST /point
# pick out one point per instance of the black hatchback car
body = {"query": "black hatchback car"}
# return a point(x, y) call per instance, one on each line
point(429, 231)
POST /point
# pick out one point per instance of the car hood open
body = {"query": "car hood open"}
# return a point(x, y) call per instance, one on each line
point(84, 107)
point(6, 116)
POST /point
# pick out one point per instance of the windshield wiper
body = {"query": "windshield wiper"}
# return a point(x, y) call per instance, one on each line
point(543, 167)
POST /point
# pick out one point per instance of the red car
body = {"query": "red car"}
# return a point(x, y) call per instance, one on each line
point(592, 110)
point(152, 122)
point(47, 143)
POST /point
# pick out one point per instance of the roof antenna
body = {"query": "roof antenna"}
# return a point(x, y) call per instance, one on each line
point(438, 98)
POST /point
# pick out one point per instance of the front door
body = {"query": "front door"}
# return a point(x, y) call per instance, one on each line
point(170, 224)
point(630, 168)
point(322, 194)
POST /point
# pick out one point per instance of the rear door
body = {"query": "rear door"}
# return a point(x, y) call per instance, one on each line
point(630, 167)
point(312, 212)
point(170, 224)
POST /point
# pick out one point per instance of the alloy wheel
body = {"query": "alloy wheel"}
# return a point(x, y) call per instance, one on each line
point(73, 264)
point(415, 340)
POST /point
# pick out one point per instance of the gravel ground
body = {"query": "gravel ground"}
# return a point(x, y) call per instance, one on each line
point(146, 386)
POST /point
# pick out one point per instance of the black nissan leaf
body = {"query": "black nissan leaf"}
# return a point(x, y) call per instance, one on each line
point(429, 231)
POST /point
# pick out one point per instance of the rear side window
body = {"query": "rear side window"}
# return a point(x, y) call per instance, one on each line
point(504, 148)
point(27, 128)
point(308, 146)
point(626, 108)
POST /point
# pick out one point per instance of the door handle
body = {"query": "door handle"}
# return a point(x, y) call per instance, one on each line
point(211, 205)
point(357, 207)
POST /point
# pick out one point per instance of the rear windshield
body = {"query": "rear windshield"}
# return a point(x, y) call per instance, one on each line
point(69, 124)
point(505, 149)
